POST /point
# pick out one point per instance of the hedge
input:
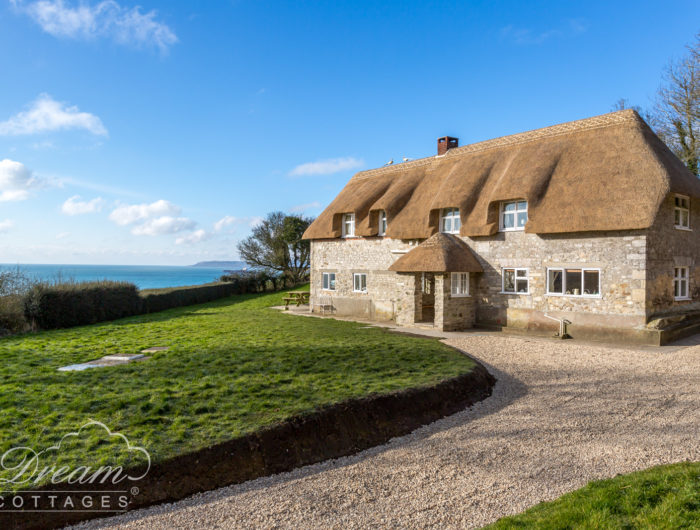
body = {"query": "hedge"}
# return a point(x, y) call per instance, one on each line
point(63, 305)
point(50, 306)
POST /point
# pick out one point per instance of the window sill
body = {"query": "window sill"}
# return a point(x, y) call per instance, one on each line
point(453, 233)
point(349, 237)
point(328, 290)
point(684, 299)
point(512, 229)
point(588, 296)
point(460, 295)
point(360, 292)
point(684, 228)
point(513, 293)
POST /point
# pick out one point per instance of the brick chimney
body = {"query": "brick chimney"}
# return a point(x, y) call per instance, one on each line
point(446, 143)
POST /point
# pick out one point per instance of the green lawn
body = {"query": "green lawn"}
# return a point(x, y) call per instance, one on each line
point(234, 366)
point(660, 497)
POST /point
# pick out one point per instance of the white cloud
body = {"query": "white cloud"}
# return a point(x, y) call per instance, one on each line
point(195, 237)
point(46, 114)
point(62, 235)
point(108, 19)
point(255, 221)
point(525, 36)
point(327, 166)
point(74, 206)
point(163, 225)
point(154, 219)
point(224, 222)
point(6, 225)
point(129, 214)
point(303, 207)
point(15, 181)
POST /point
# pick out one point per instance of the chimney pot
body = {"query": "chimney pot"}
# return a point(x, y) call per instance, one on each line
point(446, 143)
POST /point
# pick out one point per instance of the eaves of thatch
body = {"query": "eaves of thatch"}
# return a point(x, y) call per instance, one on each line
point(610, 172)
point(439, 253)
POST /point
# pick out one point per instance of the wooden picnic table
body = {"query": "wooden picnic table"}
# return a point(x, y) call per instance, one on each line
point(296, 297)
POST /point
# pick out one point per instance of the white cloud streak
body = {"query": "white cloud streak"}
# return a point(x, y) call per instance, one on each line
point(224, 222)
point(129, 214)
point(16, 181)
point(6, 225)
point(195, 237)
point(154, 219)
point(105, 19)
point(327, 166)
point(45, 114)
point(301, 208)
point(163, 225)
point(74, 206)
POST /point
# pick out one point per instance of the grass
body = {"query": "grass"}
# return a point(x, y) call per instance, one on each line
point(660, 497)
point(234, 366)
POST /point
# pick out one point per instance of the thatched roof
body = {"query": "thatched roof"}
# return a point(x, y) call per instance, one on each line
point(439, 253)
point(610, 172)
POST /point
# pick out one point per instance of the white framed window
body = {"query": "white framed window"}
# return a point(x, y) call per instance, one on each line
point(359, 282)
point(681, 212)
point(573, 282)
point(450, 222)
point(329, 281)
point(513, 215)
point(459, 283)
point(680, 283)
point(515, 281)
point(382, 222)
point(348, 225)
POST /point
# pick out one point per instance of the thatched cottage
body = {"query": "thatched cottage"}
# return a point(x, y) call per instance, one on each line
point(591, 221)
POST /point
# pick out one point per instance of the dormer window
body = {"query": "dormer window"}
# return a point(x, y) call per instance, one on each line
point(681, 212)
point(382, 222)
point(513, 215)
point(348, 225)
point(450, 222)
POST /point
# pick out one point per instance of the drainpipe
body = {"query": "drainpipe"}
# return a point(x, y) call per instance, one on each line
point(562, 326)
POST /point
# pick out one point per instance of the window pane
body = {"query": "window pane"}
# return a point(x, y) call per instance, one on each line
point(677, 217)
point(509, 207)
point(684, 218)
point(522, 219)
point(555, 284)
point(573, 281)
point(508, 220)
point(676, 288)
point(591, 282)
point(332, 281)
point(521, 286)
point(522, 205)
point(325, 281)
point(509, 280)
point(684, 288)
point(447, 226)
point(457, 223)
point(364, 282)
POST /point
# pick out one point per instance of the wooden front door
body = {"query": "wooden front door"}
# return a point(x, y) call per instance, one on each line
point(428, 297)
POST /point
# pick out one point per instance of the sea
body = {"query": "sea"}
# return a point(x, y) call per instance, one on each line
point(143, 276)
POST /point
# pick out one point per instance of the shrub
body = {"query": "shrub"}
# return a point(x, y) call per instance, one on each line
point(14, 284)
point(154, 300)
point(62, 305)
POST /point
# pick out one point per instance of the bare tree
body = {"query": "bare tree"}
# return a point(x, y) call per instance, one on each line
point(276, 244)
point(676, 114)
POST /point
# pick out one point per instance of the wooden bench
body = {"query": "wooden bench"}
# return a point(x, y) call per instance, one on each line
point(296, 297)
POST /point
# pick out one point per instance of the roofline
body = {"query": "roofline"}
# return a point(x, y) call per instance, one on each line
point(595, 122)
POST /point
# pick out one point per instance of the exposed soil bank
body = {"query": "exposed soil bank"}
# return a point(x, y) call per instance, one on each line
point(331, 432)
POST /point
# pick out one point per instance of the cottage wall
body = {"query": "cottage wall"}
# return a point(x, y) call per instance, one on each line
point(620, 256)
point(667, 248)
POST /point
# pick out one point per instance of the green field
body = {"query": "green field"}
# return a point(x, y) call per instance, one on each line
point(660, 497)
point(233, 366)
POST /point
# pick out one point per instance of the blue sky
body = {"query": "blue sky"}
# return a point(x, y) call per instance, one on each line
point(159, 132)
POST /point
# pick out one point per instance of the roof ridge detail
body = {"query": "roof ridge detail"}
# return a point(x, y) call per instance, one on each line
point(595, 122)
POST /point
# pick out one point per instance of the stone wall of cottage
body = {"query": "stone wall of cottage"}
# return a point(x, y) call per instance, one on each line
point(620, 256)
point(667, 248)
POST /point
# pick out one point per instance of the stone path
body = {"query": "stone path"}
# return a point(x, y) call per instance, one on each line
point(562, 413)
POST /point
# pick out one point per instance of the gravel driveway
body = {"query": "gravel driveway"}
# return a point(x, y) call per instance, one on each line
point(562, 414)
